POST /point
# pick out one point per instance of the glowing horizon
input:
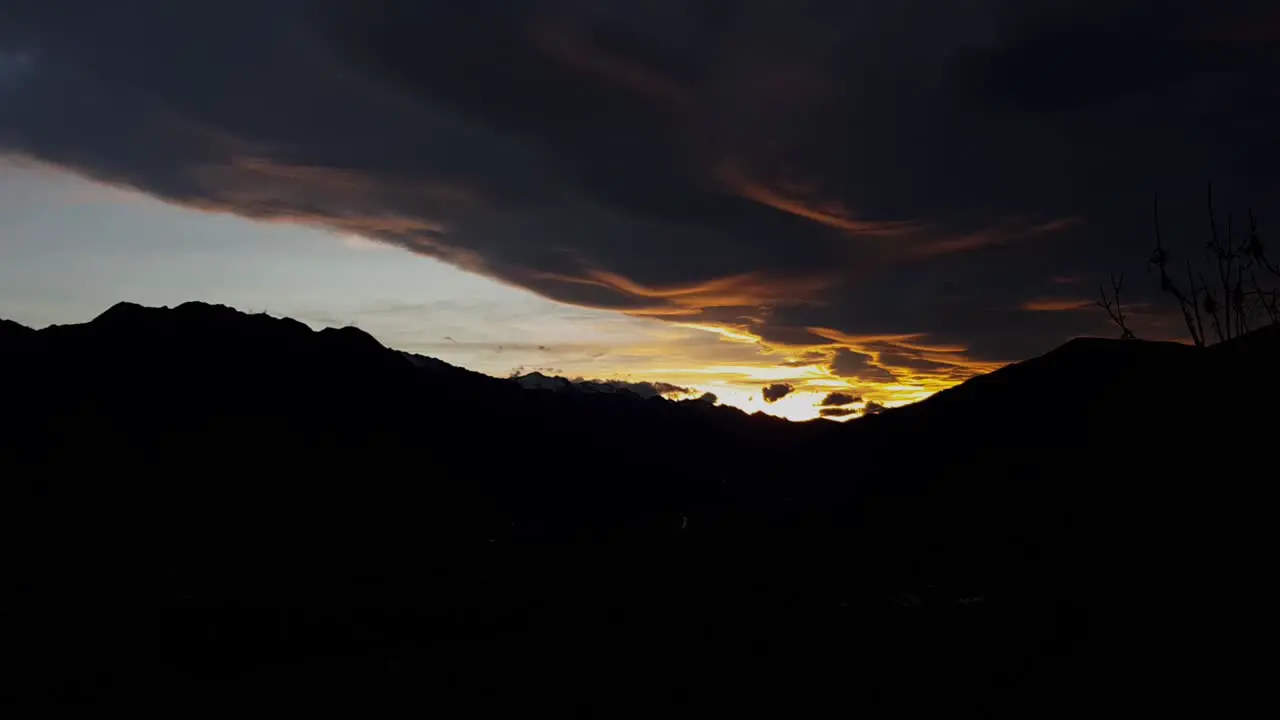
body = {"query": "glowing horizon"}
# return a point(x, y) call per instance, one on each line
point(79, 246)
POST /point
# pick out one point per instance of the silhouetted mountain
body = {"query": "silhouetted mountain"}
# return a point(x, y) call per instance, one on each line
point(11, 331)
point(209, 508)
point(538, 381)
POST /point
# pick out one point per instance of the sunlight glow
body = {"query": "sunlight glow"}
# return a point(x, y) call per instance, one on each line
point(163, 255)
point(725, 332)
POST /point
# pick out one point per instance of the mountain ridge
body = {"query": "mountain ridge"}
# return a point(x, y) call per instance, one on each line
point(1089, 349)
point(373, 506)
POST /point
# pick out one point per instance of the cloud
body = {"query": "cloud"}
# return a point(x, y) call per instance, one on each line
point(1006, 231)
point(736, 164)
point(708, 397)
point(775, 392)
point(836, 399)
point(643, 389)
point(854, 365)
point(356, 242)
point(837, 412)
point(806, 359)
point(1058, 305)
point(873, 408)
point(822, 212)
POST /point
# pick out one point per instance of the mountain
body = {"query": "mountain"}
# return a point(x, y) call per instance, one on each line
point(204, 509)
point(538, 381)
point(12, 332)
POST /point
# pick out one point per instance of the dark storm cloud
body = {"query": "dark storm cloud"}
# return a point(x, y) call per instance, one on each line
point(775, 392)
point(837, 412)
point(847, 363)
point(920, 167)
point(837, 399)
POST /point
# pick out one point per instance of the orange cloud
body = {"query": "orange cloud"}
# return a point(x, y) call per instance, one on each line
point(1057, 305)
point(830, 214)
point(921, 347)
point(1055, 226)
point(915, 235)
point(956, 244)
point(859, 340)
point(747, 290)
point(910, 369)
point(660, 312)
point(1005, 232)
point(977, 367)
point(729, 333)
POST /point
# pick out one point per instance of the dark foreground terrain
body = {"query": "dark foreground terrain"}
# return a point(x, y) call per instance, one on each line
point(208, 513)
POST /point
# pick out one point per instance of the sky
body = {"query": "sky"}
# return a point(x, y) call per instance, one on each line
point(872, 199)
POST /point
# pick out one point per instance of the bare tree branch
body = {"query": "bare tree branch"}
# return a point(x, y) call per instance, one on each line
point(1114, 307)
point(1246, 290)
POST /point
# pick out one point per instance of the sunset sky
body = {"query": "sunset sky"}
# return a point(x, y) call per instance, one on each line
point(870, 198)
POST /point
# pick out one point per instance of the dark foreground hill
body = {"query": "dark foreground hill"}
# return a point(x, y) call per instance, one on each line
point(206, 511)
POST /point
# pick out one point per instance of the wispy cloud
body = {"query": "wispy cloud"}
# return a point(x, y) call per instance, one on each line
point(1058, 305)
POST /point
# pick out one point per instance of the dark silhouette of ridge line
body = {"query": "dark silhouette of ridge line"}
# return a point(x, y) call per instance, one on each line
point(204, 509)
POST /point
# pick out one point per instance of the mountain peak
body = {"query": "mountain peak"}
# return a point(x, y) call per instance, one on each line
point(126, 311)
point(353, 337)
point(9, 328)
point(537, 381)
point(122, 310)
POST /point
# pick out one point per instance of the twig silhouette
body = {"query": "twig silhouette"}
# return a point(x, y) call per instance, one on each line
point(1245, 291)
point(1112, 304)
